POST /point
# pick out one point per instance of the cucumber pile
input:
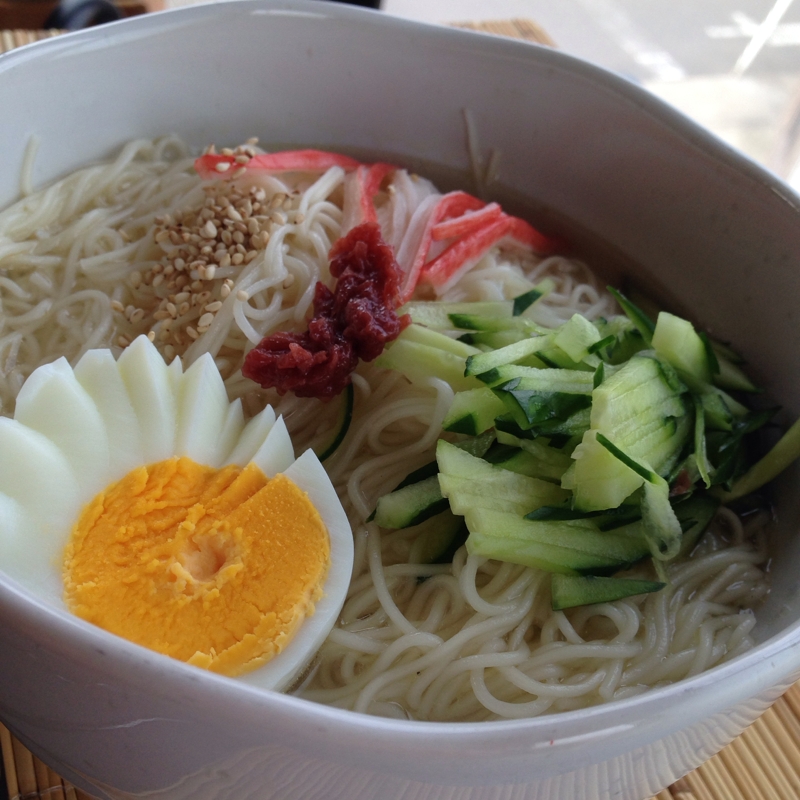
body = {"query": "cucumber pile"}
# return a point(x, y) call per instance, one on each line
point(580, 450)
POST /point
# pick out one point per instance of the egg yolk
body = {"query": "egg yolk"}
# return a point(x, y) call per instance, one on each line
point(215, 567)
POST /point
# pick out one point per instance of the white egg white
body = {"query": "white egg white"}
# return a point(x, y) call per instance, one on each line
point(76, 432)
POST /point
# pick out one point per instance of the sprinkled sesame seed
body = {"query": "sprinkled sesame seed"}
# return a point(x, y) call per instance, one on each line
point(191, 332)
point(242, 296)
point(151, 336)
point(210, 230)
point(214, 307)
point(117, 306)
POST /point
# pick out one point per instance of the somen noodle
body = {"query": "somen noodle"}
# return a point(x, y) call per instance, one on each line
point(142, 245)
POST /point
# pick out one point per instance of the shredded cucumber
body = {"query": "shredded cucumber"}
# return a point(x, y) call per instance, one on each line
point(577, 438)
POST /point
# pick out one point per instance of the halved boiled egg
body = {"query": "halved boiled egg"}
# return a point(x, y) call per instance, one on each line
point(136, 496)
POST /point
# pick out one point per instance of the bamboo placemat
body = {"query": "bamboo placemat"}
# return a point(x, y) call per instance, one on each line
point(762, 764)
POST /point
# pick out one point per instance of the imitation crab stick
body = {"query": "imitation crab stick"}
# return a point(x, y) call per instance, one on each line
point(361, 187)
point(466, 251)
point(450, 205)
point(466, 223)
point(224, 167)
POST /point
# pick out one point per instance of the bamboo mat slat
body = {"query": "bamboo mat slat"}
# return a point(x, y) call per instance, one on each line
point(762, 764)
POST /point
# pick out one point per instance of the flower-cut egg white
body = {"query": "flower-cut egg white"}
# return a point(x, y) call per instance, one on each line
point(77, 432)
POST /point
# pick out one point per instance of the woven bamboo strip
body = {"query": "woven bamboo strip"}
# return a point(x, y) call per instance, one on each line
point(773, 760)
point(26, 774)
point(746, 771)
point(722, 784)
point(785, 751)
point(694, 786)
point(9, 767)
point(792, 698)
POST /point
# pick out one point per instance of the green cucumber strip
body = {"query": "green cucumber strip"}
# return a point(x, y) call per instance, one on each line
point(477, 445)
point(436, 315)
point(523, 302)
point(676, 340)
point(438, 538)
point(410, 505)
point(426, 471)
point(577, 536)
point(726, 352)
point(494, 340)
point(599, 479)
point(569, 591)
point(551, 461)
point(569, 381)
point(711, 356)
point(539, 407)
point(694, 514)
point(477, 322)
point(732, 377)
point(420, 362)
point(342, 425)
point(639, 469)
point(727, 451)
point(643, 323)
point(701, 456)
point(599, 375)
point(483, 362)
point(432, 338)
point(661, 527)
point(786, 451)
point(473, 412)
point(602, 344)
point(576, 336)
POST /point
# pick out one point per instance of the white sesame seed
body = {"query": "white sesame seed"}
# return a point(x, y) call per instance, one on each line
point(225, 261)
point(137, 316)
point(242, 296)
point(136, 279)
point(173, 312)
point(239, 172)
point(191, 332)
point(210, 272)
point(151, 336)
point(117, 306)
point(158, 280)
point(123, 341)
point(237, 259)
point(214, 307)
point(169, 352)
point(225, 291)
point(209, 230)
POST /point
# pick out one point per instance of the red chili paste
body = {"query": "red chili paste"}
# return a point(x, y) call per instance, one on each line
point(353, 322)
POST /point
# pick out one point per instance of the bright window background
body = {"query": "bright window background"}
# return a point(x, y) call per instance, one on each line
point(732, 65)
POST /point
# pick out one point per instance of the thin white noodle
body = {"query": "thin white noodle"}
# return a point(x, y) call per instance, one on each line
point(472, 640)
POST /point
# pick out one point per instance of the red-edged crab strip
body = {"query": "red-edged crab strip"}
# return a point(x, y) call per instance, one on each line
point(450, 205)
point(361, 186)
point(221, 167)
point(465, 252)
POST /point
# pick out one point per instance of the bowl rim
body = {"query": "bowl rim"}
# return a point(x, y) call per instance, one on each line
point(763, 667)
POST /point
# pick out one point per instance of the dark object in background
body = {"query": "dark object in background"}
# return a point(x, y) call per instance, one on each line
point(73, 15)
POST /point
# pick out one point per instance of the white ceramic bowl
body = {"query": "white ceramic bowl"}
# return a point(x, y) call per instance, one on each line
point(702, 223)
